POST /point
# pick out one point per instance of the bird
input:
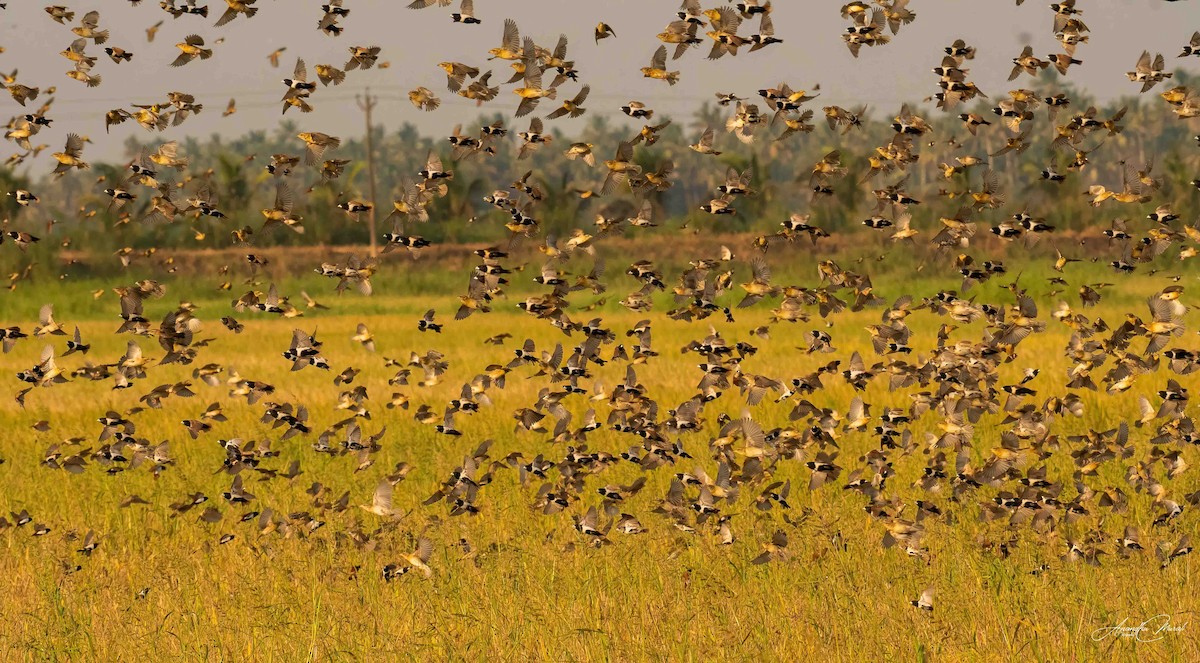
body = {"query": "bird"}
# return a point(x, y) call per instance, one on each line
point(1192, 47)
point(317, 143)
point(237, 8)
point(426, 323)
point(273, 56)
point(362, 57)
point(573, 106)
point(88, 25)
point(118, 55)
point(465, 13)
point(925, 601)
point(531, 91)
point(152, 31)
point(705, 143)
point(71, 156)
point(298, 85)
point(381, 501)
point(1149, 72)
point(419, 558)
point(24, 198)
point(424, 99)
point(191, 48)
point(658, 68)
point(363, 336)
point(328, 74)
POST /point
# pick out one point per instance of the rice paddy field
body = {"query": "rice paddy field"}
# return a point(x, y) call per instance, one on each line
point(510, 583)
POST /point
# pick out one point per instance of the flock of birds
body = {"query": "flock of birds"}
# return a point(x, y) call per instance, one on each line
point(952, 380)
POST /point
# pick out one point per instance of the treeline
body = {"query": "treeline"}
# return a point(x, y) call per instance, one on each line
point(235, 170)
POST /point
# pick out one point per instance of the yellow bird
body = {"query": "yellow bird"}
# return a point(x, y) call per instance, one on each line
point(509, 48)
point(658, 68)
point(190, 48)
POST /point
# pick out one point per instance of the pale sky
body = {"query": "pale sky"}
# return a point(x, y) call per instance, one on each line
point(414, 41)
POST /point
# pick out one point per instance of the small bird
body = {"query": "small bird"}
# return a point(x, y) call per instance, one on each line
point(426, 323)
point(637, 109)
point(773, 550)
point(298, 85)
point(24, 198)
point(465, 13)
point(1062, 62)
point(572, 107)
point(191, 48)
point(588, 525)
point(90, 543)
point(75, 53)
point(22, 93)
point(234, 9)
point(1192, 47)
point(381, 501)
point(582, 151)
point(273, 56)
point(531, 90)
point(433, 169)
point(328, 74)
point(628, 524)
point(76, 344)
point(604, 31)
point(925, 601)
point(317, 143)
point(119, 55)
point(363, 336)
point(424, 99)
point(60, 14)
point(1149, 72)
point(705, 144)
point(658, 68)
point(1168, 554)
point(419, 558)
point(71, 156)
point(152, 31)
point(362, 57)
point(88, 25)
point(81, 73)
point(1027, 63)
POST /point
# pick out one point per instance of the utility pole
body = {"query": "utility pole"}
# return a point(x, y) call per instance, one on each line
point(367, 104)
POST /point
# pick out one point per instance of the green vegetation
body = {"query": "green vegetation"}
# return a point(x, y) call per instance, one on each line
point(780, 170)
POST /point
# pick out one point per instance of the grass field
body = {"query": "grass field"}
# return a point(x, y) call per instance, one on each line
point(160, 585)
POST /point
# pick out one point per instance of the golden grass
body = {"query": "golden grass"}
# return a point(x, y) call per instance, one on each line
point(531, 589)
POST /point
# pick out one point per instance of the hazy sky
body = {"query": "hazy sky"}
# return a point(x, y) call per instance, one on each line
point(415, 41)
